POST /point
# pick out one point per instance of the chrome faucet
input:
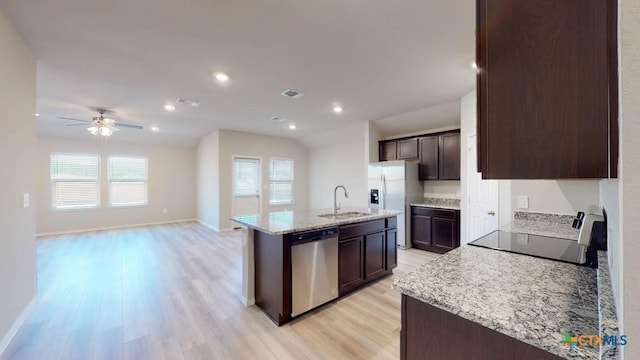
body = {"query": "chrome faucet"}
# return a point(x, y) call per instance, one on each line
point(336, 206)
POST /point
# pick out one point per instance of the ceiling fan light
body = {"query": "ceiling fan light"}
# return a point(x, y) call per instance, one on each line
point(105, 131)
point(93, 130)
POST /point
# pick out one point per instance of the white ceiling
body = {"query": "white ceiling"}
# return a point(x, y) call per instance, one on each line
point(377, 58)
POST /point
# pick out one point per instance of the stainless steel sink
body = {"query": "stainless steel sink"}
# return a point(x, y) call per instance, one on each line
point(345, 215)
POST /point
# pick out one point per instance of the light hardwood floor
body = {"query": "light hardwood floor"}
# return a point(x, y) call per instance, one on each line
point(171, 292)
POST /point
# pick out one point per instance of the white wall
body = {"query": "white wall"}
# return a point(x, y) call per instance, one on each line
point(372, 148)
point(558, 196)
point(338, 164)
point(467, 128)
point(209, 181)
point(629, 173)
point(18, 153)
point(171, 186)
point(266, 147)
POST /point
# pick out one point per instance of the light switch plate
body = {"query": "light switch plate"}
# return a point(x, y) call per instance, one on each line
point(25, 200)
point(523, 202)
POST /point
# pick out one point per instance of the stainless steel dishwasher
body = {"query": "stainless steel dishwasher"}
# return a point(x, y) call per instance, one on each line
point(314, 269)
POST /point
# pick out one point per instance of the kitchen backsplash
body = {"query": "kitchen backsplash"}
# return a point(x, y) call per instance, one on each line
point(442, 201)
point(544, 217)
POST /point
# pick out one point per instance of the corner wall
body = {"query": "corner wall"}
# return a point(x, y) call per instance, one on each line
point(208, 173)
point(18, 154)
point(171, 186)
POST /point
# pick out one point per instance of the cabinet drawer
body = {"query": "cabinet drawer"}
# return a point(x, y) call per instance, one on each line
point(359, 229)
point(441, 213)
point(392, 222)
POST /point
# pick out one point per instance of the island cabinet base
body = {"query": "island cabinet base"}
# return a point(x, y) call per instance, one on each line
point(432, 333)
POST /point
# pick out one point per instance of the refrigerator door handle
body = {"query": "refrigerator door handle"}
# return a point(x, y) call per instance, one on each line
point(384, 192)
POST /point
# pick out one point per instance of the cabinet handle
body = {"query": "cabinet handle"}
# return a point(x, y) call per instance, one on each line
point(491, 213)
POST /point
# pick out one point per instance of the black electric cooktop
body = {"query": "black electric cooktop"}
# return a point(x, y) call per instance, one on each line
point(534, 245)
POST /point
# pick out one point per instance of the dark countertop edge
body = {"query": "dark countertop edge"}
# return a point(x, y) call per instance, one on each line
point(319, 226)
point(607, 315)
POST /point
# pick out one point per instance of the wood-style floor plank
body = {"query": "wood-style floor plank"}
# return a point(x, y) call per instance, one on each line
point(172, 292)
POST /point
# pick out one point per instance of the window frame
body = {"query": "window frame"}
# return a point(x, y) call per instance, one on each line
point(145, 182)
point(272, 181)
point(52, 182)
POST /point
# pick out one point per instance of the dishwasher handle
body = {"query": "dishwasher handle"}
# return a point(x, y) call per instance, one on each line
point(314, 235)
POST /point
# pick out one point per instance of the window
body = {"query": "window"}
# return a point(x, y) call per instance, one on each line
point(246, 177)
point(281, 181)
point(74, 181)
point(127, 181)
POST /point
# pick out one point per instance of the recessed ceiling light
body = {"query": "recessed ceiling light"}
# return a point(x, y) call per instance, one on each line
point(292, 126)
point(337, 109)
point(169, 107)
point(36, 114)
point(221, 77)
point(155, 129)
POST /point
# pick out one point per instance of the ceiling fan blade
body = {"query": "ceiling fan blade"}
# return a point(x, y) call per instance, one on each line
point(129, 126)
point(66, 118)
point(112, 127)
point(75, 125)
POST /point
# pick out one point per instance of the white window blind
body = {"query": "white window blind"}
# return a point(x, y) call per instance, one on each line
point(246, 177)
point(281, 181)
point(74, 181)
point(127, 181)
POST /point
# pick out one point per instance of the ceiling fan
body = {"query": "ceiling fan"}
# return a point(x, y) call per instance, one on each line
point(101, 125)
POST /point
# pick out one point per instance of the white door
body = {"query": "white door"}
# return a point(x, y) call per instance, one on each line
point(246, 186)
point(483, 197)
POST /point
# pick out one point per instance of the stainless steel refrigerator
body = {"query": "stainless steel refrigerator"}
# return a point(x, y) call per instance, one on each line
point(394, 185)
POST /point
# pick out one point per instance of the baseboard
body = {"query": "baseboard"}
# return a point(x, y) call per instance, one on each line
point(114, 227)
point(208, 226)
point(246, 302)
point(6, 340)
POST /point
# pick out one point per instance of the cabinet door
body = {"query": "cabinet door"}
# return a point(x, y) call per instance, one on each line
point(421, 231)
point(374, 256)
point(407, 149)
point(392, 249)
point(444, 233)
point(387, 150)
point(350, 263)
point(429, 158)
point(449, 156)
point(546, 88)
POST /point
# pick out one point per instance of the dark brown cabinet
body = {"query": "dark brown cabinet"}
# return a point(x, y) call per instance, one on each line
point(407, 149)
point(436, 230)
point(449, 156)
point(388, 151)
point(366, 251)
point(350, 263)
point(547, 89)
point(429, 158)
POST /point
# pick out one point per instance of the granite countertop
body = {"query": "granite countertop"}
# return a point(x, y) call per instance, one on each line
point(439, 203)
point(284, 222)
point(530, 299)
point(606, 307)
point(552, 225)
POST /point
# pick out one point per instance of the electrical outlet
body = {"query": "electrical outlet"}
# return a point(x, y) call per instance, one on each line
point(523, 202)
point(25, 200)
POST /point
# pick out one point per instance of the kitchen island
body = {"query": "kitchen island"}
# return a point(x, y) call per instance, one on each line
point(477, 303)
point(365, 248)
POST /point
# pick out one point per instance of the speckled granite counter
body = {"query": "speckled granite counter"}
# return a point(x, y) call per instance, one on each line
point(439, 203)
point(490, 288)
point(552, 225)
point(284, 222)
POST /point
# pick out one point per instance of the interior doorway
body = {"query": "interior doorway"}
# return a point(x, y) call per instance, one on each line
point(483, 196)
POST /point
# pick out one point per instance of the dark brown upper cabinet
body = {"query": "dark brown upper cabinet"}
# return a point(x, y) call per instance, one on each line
point(547, 89)
point(407, 149)
point(388, 150)
point(449, 160)
point(429, 158)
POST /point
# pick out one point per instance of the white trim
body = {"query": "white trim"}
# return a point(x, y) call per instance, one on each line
point(16, 325)
point(246, 302)
point(115, 227)
point(208, 226)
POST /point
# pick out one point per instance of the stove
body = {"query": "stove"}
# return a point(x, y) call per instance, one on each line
point(535, 245)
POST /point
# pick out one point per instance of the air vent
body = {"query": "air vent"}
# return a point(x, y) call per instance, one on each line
point(294, 94)
point(191, 103)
